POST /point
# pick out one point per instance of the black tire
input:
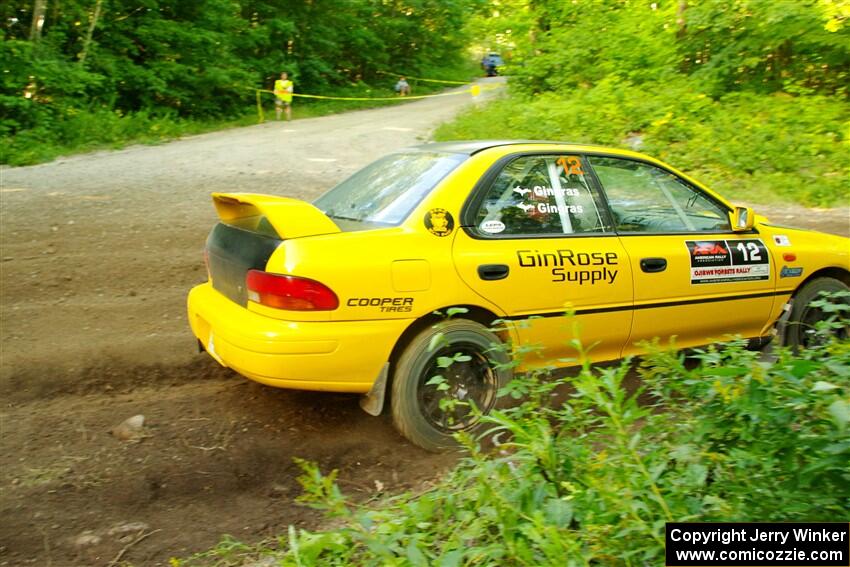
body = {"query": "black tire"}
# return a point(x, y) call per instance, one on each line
point(415, 404)
point(798, 330)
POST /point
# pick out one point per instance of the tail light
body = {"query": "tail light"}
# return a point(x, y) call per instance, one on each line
point(289, 292)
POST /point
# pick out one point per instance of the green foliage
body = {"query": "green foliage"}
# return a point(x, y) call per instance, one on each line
point(796, 46)
point(750, 96)
point(183, 66)
point(773, 445)
point(593, 478)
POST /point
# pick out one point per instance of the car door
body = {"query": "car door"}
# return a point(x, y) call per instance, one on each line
point(536, 241)
point(694, 278)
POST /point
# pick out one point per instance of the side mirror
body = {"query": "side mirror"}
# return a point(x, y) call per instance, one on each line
point(742, 219)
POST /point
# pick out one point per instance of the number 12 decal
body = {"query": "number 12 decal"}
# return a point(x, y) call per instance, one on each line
point(751, 252)
point(727, 261)
point(571, 165)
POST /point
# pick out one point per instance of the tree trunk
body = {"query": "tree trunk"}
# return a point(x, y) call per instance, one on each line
point(681, 32)
point(92, 24)
point(38, 10)
point(782, 61)
point(681, 22)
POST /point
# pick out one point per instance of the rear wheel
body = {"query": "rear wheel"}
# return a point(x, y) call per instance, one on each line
point(801, 329)
point(430, 401)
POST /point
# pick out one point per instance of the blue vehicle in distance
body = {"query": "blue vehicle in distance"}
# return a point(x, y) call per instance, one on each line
point(491, 63)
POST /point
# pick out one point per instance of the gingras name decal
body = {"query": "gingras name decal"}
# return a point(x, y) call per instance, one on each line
point(721, 261)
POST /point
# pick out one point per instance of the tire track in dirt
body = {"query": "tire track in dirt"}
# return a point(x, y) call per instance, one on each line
point(216, 458)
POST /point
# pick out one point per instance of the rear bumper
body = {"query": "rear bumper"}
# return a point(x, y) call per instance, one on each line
point(336, 356)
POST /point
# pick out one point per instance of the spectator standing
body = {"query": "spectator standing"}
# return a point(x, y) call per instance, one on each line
point(402, 87)
point(283, 89)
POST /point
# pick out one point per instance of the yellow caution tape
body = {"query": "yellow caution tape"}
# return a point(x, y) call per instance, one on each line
point(474, 90)
point(422, 79)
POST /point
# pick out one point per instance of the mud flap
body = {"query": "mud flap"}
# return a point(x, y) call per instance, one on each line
point(777, 337)
point(781, 328)
point(211, 351)
point(373, 402)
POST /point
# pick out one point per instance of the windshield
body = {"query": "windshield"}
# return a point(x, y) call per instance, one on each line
point(385, 191)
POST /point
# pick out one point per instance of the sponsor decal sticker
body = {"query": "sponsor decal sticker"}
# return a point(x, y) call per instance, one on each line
point(788, 272)
point(781, 240)
point(386, 304)
point(542, 191)
point(723, 261)
point(492, 226)
point(439, 222)
point(571, 165)
point(539, 196)
point(573, 267)
point(546, 208)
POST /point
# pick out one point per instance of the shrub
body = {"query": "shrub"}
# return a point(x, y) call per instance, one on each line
point(587, 469)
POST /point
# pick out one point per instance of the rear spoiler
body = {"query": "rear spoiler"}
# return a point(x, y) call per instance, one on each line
point(290, 218)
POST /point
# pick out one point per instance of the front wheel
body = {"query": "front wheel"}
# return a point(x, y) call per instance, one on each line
point(801, 328)
point(432, 401)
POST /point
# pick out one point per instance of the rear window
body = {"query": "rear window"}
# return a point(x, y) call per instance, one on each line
point(384, 192)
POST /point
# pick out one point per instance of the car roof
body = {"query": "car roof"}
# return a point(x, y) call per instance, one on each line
point(474, 146)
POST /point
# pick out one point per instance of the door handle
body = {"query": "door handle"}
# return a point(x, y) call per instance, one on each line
point(493, 271)
point(653, 265)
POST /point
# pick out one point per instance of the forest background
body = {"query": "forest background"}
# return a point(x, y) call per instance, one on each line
point(750, 96)
point(83, 74)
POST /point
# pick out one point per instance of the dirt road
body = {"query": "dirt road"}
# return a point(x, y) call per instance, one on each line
point(98, 252)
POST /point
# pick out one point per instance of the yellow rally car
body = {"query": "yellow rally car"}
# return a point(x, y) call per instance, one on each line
point(342, 295)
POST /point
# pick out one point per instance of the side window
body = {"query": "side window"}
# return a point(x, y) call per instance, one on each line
point(540, 195)
point(645, 198)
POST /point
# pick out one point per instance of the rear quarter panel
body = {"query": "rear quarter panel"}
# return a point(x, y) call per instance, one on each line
point(403, 272)
point(394, 273)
